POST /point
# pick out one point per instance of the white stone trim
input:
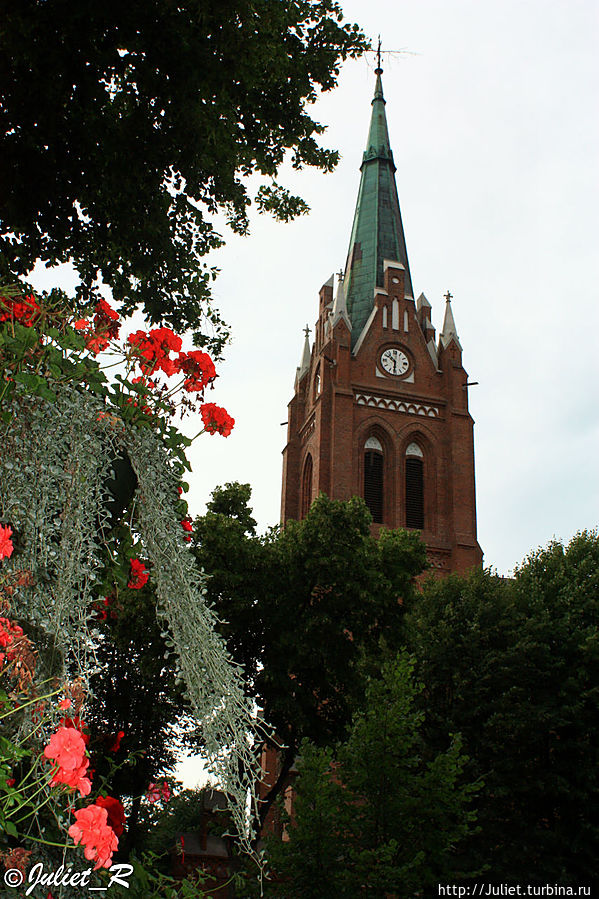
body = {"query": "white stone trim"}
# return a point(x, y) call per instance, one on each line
point(408, 407)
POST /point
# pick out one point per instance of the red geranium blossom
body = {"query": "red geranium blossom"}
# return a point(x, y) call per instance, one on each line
point(106, 311)
point(78, 724)
point(156, 792)
point(198, 367)
point(23, 308)
point(216, 419)
point(105, 327)
point(116, 743)
point(92, 831)
point(6, 546)
point(115, 812)
point(139, 575)
point(9, 633)
point(67, 749)
point(155, 347)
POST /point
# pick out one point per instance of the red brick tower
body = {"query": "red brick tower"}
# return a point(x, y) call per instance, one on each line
point(380, 408)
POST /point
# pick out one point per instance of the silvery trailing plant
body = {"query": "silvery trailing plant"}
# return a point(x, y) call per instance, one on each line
point(81, 449)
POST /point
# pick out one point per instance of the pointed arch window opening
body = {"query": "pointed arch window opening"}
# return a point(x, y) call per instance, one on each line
point(374, 478)
point(306, 487)
point(317, 383)
point(414, 484)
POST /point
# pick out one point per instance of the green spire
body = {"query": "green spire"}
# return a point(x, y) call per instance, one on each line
point(377, 232)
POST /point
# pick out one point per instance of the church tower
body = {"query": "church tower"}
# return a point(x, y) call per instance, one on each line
point(380, 407)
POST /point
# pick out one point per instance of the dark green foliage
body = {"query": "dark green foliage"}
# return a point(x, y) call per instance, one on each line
point(304, 606)
point(135, 689)
point(125, 126)
point(514, 667)
point(381, 815)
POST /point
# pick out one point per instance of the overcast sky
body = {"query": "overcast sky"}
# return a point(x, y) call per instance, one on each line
point(493, 118)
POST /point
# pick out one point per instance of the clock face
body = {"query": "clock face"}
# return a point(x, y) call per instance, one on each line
point(394, 361)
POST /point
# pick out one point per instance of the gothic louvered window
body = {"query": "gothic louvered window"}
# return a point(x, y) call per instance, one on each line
point(414, 487)
point(306, 486)
point(373, 478)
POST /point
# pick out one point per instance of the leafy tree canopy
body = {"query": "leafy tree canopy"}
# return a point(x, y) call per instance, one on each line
point(305, 606)
point(380, 816)
point(514, 666)
point(125, 126)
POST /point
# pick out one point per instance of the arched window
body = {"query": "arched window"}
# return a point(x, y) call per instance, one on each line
point(373, 478)
point(317, 383)
point(306, 486)
point(414, 487)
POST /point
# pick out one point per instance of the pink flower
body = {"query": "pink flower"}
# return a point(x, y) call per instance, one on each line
point(92, 831)
point(156, 792)
point(139, 575)
point(153, 793)
point(6, 547)
point(65, 704)
point(67, 750)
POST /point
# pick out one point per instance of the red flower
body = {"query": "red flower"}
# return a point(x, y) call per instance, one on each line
point(145, 382)
point(8, 631)
point(198, 367)
point(115, 812)
point(216, 419)
point(92, 831)
point(6, 547)
point(103, 309)
point(155, 347)
point(139, 575)
point(10, 635)
point(105, 327)
point(187, 525)
point(65, 704)
point(67, 749)
point(24, 308)
point(81, 325)
point(78, 724)
point(116, 743)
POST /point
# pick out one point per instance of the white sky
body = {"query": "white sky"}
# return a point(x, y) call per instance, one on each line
point(495, 130)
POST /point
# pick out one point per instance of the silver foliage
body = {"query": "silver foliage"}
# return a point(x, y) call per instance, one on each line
point(56, 459)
